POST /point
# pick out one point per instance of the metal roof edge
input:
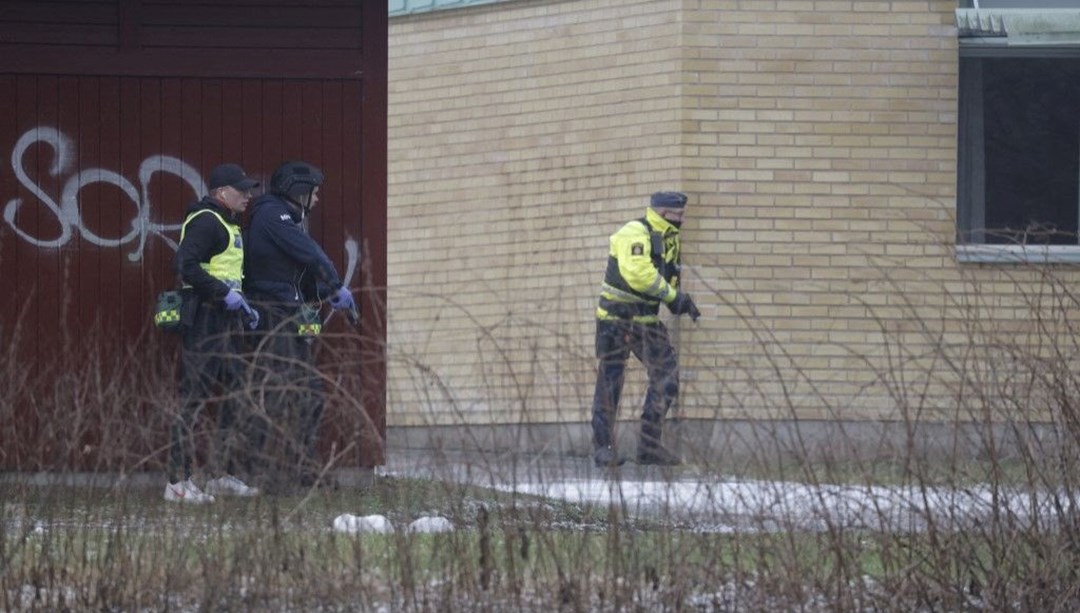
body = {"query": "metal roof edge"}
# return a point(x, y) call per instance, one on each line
point(399, 8)
point(1018, 26)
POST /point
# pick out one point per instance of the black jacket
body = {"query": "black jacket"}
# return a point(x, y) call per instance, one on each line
point(281, 262)
point(204, 237)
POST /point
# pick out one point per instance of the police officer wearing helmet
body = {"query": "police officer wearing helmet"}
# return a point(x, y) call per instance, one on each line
point(642, 273)
point(286, 271)
point(209, 261)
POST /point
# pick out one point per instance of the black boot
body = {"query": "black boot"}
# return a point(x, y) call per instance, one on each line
point(658, 455)
point(650, 450)
point(605, 457)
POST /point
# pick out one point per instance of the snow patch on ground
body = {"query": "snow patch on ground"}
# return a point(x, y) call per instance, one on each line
point(777, 505)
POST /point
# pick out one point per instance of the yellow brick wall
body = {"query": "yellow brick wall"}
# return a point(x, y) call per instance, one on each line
point(520, 136)
point(817, 142)
point(821, 140)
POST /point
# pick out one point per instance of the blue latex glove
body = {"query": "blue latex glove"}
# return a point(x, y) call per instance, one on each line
point(235, 300)
point(342, 299)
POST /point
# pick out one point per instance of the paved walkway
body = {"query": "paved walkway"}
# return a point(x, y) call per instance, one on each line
point(716, 502)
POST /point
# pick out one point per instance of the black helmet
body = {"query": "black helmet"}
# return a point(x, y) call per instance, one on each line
point(295, 180)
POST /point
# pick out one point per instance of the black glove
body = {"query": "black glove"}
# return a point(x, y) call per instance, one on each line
point(683, 304)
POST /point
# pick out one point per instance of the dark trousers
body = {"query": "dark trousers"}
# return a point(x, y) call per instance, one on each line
point(289, 399)
point(650, 344)
point(211, 363)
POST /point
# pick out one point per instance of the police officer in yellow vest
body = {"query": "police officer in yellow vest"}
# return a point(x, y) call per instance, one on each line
point(642, 273)
point(210, 262)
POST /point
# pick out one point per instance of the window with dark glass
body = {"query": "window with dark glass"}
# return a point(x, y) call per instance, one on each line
point(1019, 154)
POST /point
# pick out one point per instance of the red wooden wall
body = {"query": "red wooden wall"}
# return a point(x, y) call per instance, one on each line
point(113, 115)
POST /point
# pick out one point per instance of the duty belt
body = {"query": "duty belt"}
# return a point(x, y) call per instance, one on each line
point(628, 310)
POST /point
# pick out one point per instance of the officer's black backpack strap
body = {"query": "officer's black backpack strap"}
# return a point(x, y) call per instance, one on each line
point(656, 241)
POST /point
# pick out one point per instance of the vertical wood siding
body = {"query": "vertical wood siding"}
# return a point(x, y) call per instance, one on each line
point(99, 157)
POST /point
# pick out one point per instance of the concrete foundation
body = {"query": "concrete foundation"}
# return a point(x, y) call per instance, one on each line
point(741, 441)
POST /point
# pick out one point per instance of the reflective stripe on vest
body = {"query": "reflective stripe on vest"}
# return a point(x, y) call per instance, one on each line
point(227, 266)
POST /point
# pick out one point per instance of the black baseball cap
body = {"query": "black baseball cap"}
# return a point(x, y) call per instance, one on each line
point(231, 175)
point(668, 200)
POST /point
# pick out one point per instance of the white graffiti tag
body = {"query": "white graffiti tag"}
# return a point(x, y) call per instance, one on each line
point(68, 212)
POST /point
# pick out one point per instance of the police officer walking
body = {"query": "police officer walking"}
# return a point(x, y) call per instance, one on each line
point(642, 272)
point(209, 261)
point(285, 272)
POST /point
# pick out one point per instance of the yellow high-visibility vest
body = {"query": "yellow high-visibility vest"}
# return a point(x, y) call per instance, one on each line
point(227, 266)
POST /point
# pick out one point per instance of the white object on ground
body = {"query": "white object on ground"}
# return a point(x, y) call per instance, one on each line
point(431, 525)
point(370, 524)
point(186, 492)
